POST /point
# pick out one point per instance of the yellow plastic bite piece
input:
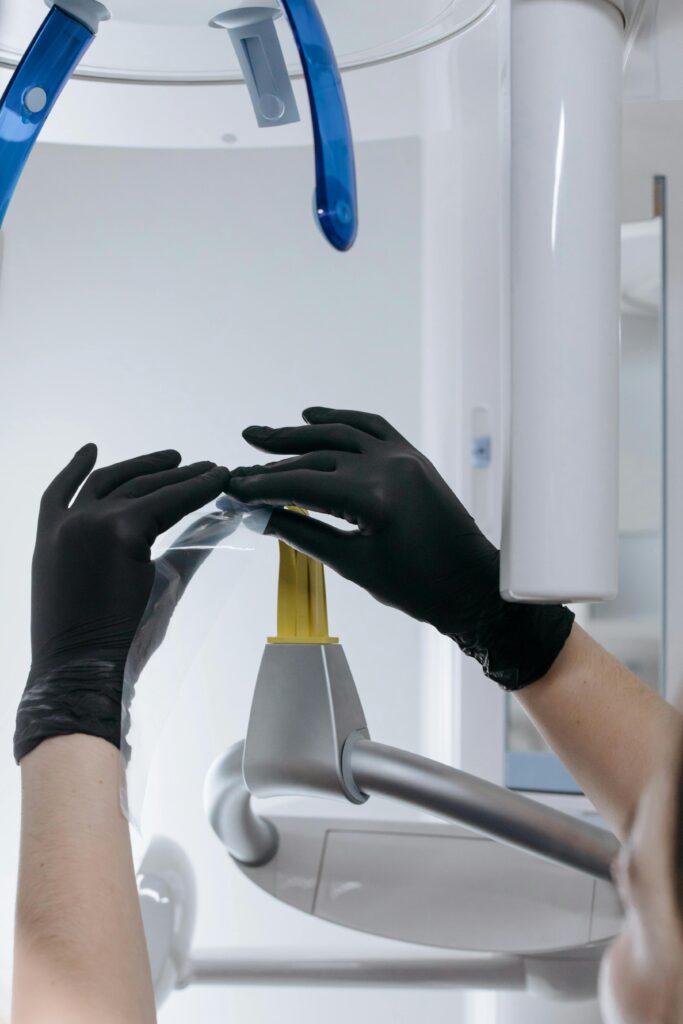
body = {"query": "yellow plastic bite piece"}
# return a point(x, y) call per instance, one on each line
point(301, 600)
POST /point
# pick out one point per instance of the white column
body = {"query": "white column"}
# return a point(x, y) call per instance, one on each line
point(560, 521)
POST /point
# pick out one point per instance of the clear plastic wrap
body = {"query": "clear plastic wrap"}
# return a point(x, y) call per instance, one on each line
point(151, 684)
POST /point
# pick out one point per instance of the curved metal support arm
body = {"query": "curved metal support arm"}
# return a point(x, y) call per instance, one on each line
point(475, 803)
point(447, 792)
point(248, 838)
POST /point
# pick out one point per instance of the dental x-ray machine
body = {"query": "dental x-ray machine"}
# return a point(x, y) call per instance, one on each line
point(560, 161)
point(543, 922)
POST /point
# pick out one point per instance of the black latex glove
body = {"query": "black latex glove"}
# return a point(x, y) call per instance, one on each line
point(91, 580)
point(415, 547)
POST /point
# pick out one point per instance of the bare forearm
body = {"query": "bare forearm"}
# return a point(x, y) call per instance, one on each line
point(80, 952)
point(606, 725)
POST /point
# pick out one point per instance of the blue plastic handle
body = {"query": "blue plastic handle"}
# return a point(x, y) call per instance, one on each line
point(47, 65)
point(336, 193)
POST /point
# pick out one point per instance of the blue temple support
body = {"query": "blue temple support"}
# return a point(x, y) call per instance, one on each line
point(32, 92)
point(336, 194)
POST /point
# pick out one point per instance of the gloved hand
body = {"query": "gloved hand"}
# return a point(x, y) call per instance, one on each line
point(91, 580)
point(415, 548)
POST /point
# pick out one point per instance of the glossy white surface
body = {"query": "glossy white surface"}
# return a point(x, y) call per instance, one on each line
point(435, 885)
point(169, 40)
point(168, 902)
point(560, 519)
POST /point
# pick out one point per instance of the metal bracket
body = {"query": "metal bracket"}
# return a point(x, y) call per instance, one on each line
point(305, 707)
point(251, 27)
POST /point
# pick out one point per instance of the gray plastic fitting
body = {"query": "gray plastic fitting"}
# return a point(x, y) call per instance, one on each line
point(89, 12)
point(252, 31)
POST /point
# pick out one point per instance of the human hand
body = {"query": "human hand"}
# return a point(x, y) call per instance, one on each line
point(92, 577)
point(415, 546)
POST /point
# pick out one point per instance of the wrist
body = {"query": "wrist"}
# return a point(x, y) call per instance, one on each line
point(516, 644)
point(520, 644)
point(74, 767)
point(79, 696)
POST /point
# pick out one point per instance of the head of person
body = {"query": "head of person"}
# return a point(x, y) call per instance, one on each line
point(642, 972)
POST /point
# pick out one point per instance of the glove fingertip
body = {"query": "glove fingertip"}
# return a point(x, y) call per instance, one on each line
point(278, 526)
point(236, 481)
point(316, 414)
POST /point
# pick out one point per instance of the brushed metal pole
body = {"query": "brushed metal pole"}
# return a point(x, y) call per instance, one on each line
point(297, 968)
point(489, 809)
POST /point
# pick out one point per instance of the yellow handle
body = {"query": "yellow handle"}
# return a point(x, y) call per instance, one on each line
point(301, 600)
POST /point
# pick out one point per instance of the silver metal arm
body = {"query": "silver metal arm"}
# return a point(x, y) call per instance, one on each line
point(490, 809)
point(244, 967)
point(250, 839)
point(308, 737)
point(447, 792)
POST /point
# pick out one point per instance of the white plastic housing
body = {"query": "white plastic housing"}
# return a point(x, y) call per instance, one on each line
point(169, 40)
point(168, 902)
point(560, 521)
point(437, 885)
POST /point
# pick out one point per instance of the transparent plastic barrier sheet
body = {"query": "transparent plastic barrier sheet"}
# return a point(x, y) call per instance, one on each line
point(180, 624)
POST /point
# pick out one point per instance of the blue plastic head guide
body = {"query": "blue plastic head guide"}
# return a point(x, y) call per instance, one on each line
point(71, 26)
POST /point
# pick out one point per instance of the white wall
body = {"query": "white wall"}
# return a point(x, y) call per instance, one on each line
point(653, 144)
point(464, 161)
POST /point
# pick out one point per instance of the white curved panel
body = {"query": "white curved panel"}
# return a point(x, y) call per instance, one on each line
point(384, 103)
point(436, 885)
point(169, 40)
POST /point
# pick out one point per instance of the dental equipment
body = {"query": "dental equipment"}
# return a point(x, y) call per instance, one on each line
point(336, 200)
point(307, 736)
point(70, 28)
point(253, 35)
point(550, 187)
point(503, 920)
point(543, 924)
point(167, 889)
point(46, 67)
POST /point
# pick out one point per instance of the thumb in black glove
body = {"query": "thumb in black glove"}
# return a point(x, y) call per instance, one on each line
point(415, 548)
point(92, 577)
